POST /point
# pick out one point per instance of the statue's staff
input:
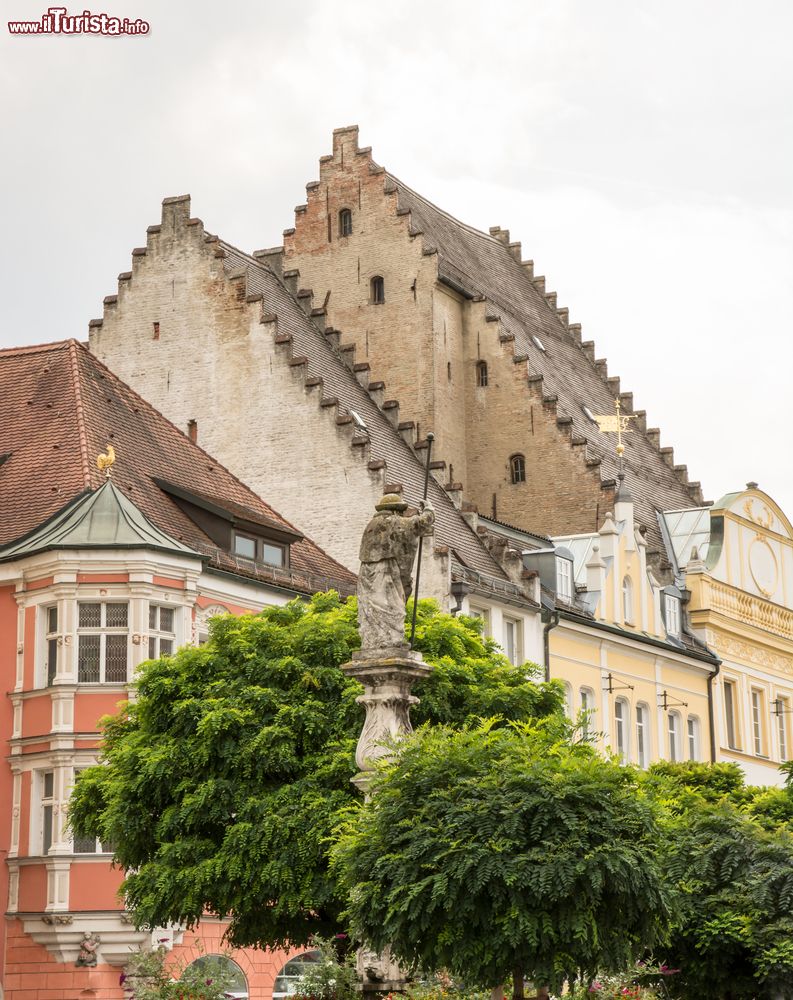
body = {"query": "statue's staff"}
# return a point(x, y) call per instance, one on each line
point(430, 439)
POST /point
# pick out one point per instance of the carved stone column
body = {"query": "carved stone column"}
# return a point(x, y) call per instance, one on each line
point(387, 675)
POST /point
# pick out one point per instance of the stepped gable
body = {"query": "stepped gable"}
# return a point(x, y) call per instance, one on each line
point(62, 406)
point(323, 365)
point(480, 265)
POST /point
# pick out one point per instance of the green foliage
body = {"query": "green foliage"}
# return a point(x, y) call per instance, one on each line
point(730, 854)
point(329, 978)
point(442, 987)
point(221, 784)
point(495, 850)
point(147, 978)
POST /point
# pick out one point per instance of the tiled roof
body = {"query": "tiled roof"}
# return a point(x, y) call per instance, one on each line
point(386, 444)
point(478, 264)
point(60, 408)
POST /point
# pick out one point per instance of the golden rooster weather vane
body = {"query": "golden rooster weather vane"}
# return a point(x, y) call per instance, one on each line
point(104, 462)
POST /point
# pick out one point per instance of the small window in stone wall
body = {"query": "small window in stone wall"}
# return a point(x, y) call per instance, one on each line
point(345, 222)
point(377, 289)
point(517, 469)
point(481, 374)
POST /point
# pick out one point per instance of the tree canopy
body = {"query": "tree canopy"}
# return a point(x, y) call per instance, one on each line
point(497, 852)
point(222, 782)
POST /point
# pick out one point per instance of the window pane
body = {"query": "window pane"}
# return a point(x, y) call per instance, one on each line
point(153, 616)
point(84, 845)
point(52, 659)
point(90, 615)
point(272, 554)
point(49, 784)
point(46, 830)
point(116, 615)
point(166, 647)
point(116, 659)
point(166, 619)
point(782, 722)
point(88, 659)
point(640, 736)
point(729, 713)
point(152, 648)
point(245, 547)
point(52, 619)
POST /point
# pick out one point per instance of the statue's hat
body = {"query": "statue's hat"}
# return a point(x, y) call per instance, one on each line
point(392, 501)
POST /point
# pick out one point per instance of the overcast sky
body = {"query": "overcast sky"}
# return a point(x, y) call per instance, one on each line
point(641, 151)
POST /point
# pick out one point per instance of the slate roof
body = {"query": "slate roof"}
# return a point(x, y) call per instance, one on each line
point(403, 465)
point(102, 519)
point(60, 408)
point(478, 264)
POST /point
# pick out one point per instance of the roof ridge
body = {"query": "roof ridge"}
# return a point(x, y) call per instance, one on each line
point(51, 345)
point(78, 400)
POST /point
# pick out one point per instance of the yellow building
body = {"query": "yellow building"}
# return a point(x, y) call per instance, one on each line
point(619, 640)
point(737, 561)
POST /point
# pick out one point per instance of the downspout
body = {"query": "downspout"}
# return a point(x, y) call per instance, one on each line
point(551, 621)
point(711, 714)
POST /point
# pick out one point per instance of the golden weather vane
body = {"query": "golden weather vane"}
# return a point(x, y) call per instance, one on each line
point(615, 423)
point(104, 462)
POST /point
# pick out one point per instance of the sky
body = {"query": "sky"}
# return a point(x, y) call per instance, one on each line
point(642, 152)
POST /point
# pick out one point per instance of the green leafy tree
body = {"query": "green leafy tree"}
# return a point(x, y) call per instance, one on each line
point(729, 854)
point(505, 851)
point(222, 782)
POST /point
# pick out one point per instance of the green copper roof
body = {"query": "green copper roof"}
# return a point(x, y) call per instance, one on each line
point(103, 519)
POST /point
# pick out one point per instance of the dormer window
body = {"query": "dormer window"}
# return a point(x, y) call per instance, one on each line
point(345, 222)
point(377, 290)
point(564, 578)
point(672, 613)
point(259, 549)
point(517, 469)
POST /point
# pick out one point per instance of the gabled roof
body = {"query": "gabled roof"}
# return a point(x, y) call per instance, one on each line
point(451, 528)
point(60, 408)
point(478, 264)
point(104, 519)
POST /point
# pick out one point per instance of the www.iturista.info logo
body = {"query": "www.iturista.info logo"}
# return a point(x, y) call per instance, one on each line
point(57, 22)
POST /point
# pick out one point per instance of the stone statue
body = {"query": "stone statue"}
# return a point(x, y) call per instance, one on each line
point(88, 946)
point(388, 550)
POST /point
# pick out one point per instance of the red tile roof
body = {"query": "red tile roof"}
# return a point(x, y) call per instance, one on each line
point(60, 408)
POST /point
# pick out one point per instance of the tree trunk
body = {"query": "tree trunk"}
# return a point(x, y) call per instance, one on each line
point(517, 984)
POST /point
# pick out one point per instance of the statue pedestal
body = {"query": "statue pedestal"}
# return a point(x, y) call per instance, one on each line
point(387, 675)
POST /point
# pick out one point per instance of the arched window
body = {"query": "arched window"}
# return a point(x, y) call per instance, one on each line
point(219, 964)
point(345, 222)
point(481, 374)
point(568, 700)
point(693, 737)
point(627, 600)
point(642, 735)
point(288, 978)
point(517, 469)
point(621, 728)
point(674, 736)
point(377, 287)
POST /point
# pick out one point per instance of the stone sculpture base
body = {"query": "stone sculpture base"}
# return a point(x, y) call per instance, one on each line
point(387, 675)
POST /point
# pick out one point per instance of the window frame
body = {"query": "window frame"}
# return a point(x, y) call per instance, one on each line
point(759, 735)
point(564, 578)
point(233, 993)
point(482, 374)
point(517, 640)
point(103, 631)
point(259, 545)
point(586, 694)
point(345, 222)
point(47, 801)
point(377, 290)
point(157, 635)
point(517, 468)
point(673, 736)
point(672, 614)
point(783, 736)
point(642, 734)
point(628, 612)
point(731, 718)
point(50, 639)
point(622, 728)
point(692, 737)
point(279, 995)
